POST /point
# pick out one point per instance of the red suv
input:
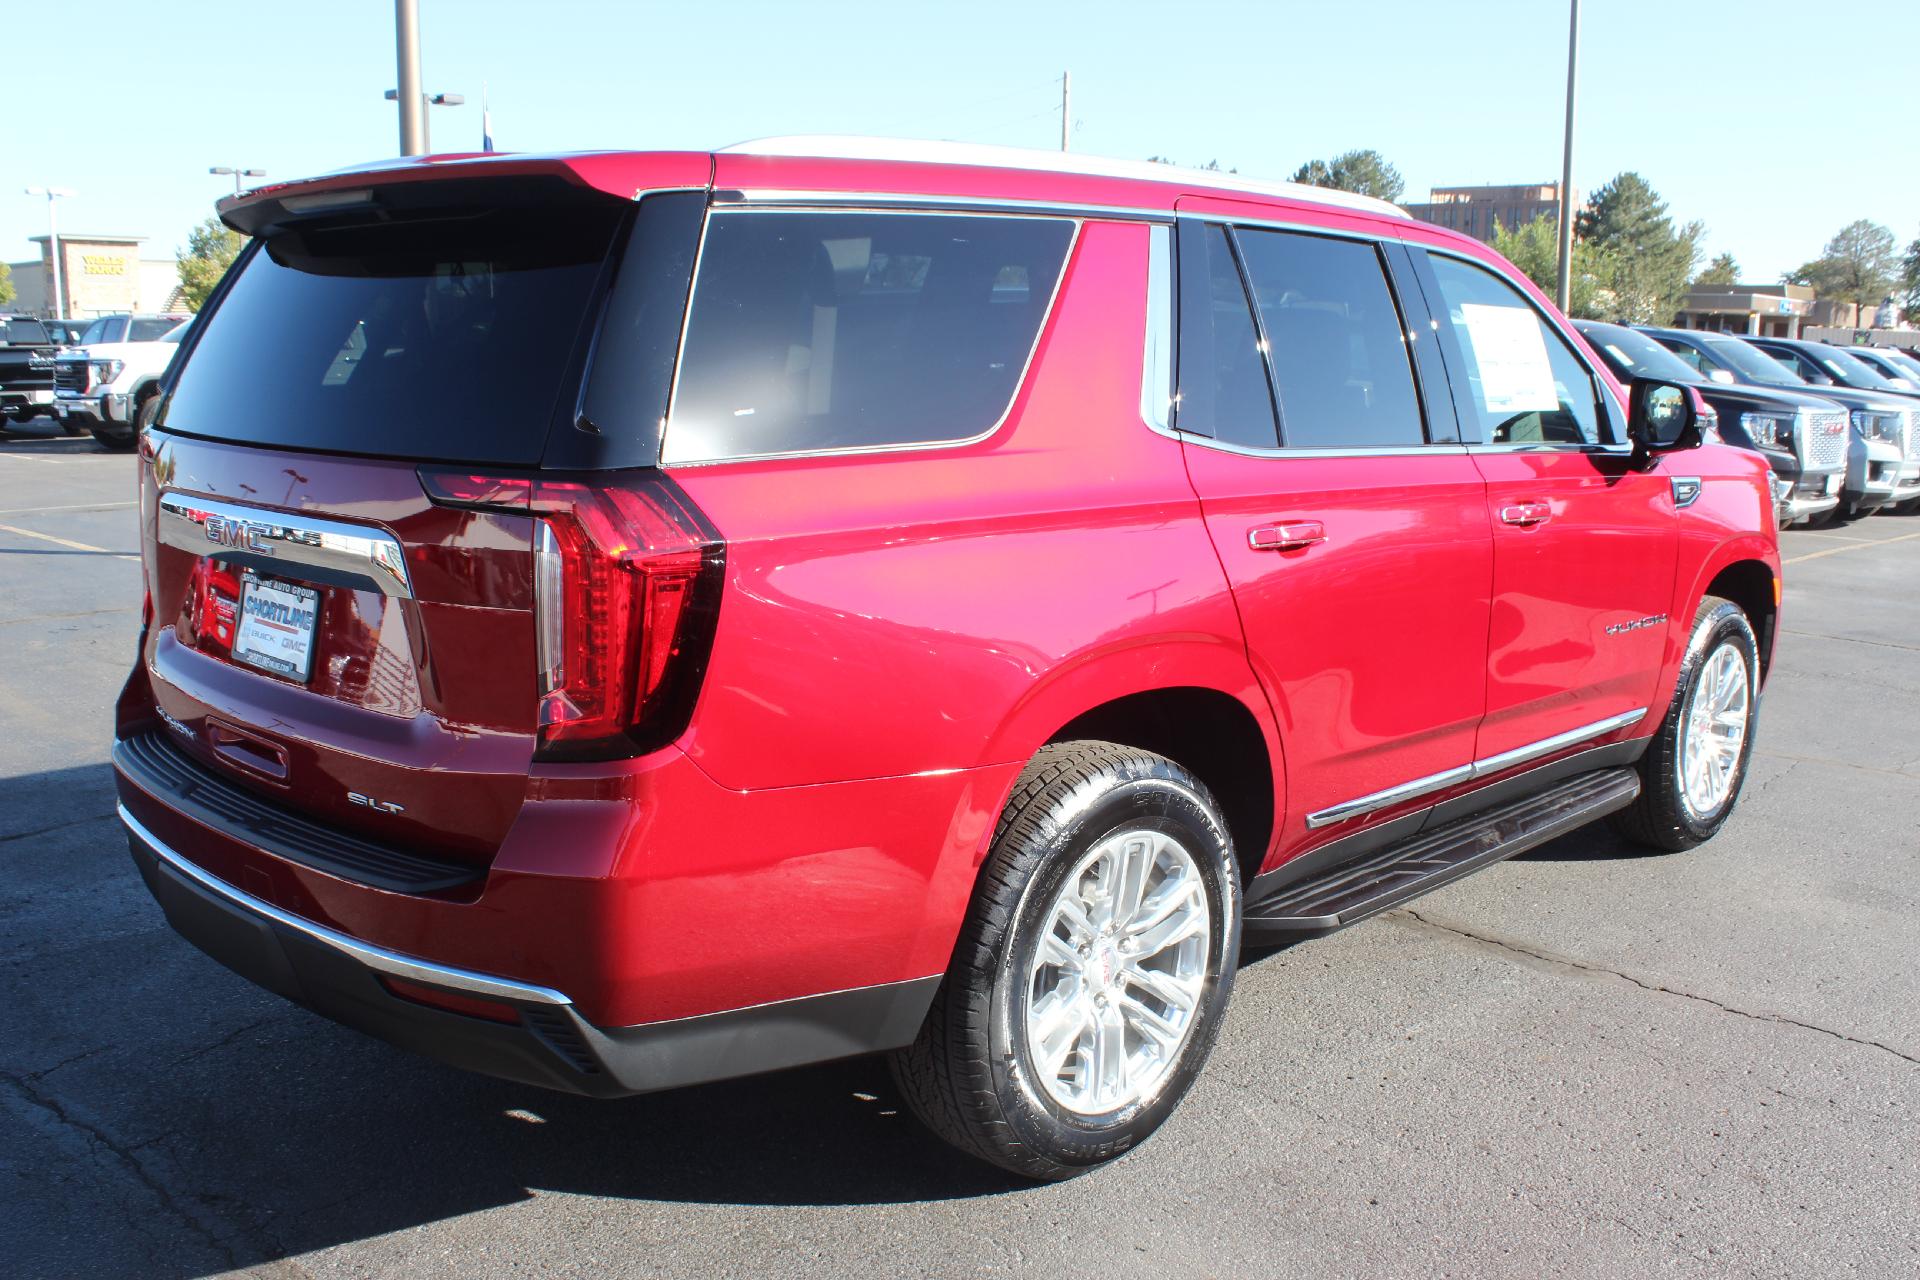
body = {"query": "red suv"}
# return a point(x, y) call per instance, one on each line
point(621, 620)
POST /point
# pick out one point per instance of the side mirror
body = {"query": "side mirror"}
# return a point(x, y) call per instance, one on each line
point(1662, 417)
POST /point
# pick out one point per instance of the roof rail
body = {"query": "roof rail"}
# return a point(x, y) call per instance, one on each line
point(846, 147)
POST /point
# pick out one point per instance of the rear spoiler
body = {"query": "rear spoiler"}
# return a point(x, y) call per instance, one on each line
point(404, 182)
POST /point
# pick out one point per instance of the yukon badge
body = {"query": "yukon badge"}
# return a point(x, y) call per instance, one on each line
point(380, 806)
point(1638, 624)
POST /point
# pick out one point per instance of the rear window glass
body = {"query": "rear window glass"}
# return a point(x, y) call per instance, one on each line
point(821, 331)
point(26, 333)
point(439, 336)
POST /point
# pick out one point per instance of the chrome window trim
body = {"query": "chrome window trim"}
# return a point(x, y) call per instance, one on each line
point(280, 538)
point(1305, 452)
point(379, 958)
point(1156, 364)
point(1467, 772)
point(907, 202)
point(909, 446)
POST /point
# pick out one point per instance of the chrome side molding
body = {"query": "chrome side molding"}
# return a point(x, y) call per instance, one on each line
point(267, 538)
point(1467, 772)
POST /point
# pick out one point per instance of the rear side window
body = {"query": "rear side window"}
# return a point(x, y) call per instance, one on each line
point(1338, 347)
point(1524, 384)
point(116, 330)
point(1223, 375)
point(815, 331)
point(441, 335)
point(150, 329)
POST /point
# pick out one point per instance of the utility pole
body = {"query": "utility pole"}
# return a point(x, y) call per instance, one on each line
point(413, 109)
point(1563, 280)
point(53, 245)
point(1066, 110)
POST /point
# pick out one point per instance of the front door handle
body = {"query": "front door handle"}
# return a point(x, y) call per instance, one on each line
point(1291, 536)
point(1526, 514)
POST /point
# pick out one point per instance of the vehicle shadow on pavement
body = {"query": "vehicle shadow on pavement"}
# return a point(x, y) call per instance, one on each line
point(146, 1086)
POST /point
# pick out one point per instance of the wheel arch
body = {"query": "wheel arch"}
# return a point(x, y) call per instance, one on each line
point(1194, 701)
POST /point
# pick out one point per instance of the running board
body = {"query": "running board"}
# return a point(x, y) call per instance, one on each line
point(1382, 880)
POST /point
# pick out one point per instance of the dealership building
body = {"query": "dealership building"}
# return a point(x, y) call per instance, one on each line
point(100, 275)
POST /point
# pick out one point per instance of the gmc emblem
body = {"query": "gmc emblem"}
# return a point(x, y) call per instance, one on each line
point(241, 535)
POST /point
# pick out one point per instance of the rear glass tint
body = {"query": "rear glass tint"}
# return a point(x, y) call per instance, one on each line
point(441, 336)
point(820, 331)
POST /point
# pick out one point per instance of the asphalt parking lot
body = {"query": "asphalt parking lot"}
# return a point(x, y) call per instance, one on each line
point(1583, 1062)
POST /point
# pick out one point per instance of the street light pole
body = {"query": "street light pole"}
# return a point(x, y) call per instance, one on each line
point(237, 174)
point(1563, 280)
point(53, 245)
point(413, 107)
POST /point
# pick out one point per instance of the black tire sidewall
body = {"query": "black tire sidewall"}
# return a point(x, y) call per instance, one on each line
point(1721, 623)
point(1165, 804)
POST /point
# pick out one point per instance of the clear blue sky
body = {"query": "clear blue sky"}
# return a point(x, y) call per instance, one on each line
point(1735, 110)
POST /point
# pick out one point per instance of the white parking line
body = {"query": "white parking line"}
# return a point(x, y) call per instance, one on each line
point(66, 542)
point(31, 457)
point(1834, 551)
point(71, 506)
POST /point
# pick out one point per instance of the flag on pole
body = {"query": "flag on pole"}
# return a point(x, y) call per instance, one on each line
point(486, 120)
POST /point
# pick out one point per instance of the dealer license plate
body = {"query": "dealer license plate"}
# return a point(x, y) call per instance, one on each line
point(276, 627)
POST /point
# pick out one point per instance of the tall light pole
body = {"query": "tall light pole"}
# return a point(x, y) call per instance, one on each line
point(1563, 280)
point(413, 109)
point(237, 174)
point(430, 100)
point(53, 243)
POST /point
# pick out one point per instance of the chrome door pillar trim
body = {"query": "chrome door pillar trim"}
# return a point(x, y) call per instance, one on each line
point(1480, 768)
point(206, 526)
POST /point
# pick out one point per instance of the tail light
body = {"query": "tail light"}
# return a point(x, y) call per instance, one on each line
point(627, 576)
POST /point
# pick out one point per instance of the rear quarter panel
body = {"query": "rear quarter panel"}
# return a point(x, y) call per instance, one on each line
point(946, 608)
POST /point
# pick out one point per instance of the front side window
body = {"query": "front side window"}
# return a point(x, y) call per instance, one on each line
point(816, 331)
point(1524, 384)
point(1338, 349)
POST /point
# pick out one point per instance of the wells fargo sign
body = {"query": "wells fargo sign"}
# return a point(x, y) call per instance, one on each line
point(103, 264)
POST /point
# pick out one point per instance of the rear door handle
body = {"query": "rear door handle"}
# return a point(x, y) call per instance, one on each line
point(1526, 513)
point(1291, 536)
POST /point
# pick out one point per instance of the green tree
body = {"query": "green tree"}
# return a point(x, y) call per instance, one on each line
point(1535, 249)
point(1861, 264)
point(1910, 280)
point(1722, 270)
point(1365, 173)
point(1648, 259)
point(211, 248)
point(6, 284)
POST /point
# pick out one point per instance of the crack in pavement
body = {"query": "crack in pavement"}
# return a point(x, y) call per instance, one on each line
point(1644, 985)
point(1879, 644)
point(58, 826)
point(46, 1102)
point(1902, 772)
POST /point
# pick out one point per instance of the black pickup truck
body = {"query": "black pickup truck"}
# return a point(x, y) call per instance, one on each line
point(26, 369)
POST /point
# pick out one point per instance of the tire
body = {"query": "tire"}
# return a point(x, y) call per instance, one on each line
point(974, 1076)
point(1667, 815)
point(111, 441)
point(69, 427)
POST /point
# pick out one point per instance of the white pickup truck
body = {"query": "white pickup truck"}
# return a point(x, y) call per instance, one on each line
point(101, 385)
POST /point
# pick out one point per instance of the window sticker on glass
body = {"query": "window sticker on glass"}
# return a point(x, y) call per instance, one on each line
point(1515, 374)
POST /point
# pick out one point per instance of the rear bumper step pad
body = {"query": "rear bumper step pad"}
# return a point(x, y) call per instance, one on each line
point(1382, 880)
